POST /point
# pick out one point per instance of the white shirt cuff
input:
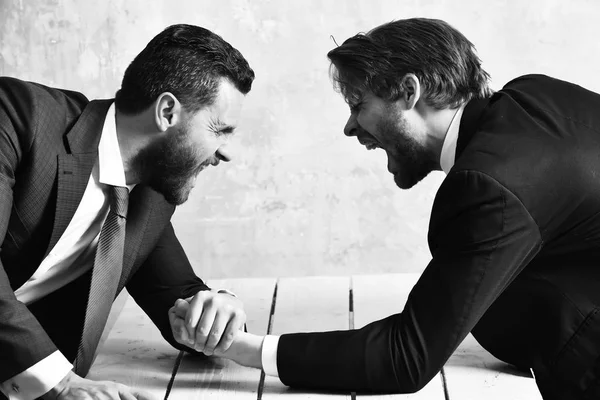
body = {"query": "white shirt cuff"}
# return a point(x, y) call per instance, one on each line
point(269, 355)
point(38, 379)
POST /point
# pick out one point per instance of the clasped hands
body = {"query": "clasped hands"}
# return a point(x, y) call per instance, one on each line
point(207, 322)
point(211, 323)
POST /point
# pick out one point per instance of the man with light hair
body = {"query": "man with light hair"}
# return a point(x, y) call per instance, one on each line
point(514, 231)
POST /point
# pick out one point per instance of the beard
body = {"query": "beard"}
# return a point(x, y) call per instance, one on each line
point(170, 166)
point(410, 159)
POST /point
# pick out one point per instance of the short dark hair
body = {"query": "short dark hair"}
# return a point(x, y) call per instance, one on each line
point(187, 61)
point(440, 56)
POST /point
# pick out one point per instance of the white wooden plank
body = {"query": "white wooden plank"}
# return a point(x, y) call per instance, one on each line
point(377, 297)
point(473, 374)
point(218, 378)
point(135, 353)
point(303, 305)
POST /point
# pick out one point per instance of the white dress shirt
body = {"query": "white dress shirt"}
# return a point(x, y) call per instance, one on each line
point(447, 157)
point(449, 147)
point(71, 257)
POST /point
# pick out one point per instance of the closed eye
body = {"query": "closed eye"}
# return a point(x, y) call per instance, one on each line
point(228, 130)
point(220, 128)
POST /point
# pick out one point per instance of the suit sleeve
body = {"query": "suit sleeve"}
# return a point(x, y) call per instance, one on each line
point(23, 341)
point(164, 277)
point(481, 236)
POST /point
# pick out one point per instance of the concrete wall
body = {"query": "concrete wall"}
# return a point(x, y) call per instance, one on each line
point(300, 198)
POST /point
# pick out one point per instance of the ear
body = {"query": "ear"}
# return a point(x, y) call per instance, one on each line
point(411, 90)
point(167, 111)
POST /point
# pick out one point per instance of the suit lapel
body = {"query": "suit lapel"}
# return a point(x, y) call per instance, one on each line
point(75, 166)
point(74, 170)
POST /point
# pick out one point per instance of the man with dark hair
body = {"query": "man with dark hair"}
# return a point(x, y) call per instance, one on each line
point(87, 191)
point(514, 231)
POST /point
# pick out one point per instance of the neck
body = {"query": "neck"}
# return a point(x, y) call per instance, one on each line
point(437, 123)
point(133, 133)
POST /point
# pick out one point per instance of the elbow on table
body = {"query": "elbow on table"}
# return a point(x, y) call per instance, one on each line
point(407, 386)
point(414, 387)
point(408, 378)
point(398, 387)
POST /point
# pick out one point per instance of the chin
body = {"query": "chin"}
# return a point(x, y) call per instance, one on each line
point(181, 197)
point(174, 195)
point(404, 181)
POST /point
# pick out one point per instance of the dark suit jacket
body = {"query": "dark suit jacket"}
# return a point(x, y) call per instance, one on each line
point(524, 193)
point(48, 146)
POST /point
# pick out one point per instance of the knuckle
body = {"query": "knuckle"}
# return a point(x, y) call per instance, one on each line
point(210, 346)
point(203, 331)
point(211, 301)
point(201, 296)
point(228, 308)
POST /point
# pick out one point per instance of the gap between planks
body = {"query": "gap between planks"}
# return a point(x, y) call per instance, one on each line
point(261, 383)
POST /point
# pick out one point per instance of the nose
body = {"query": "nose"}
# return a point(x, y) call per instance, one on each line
point(222, 154)
point(351, 128)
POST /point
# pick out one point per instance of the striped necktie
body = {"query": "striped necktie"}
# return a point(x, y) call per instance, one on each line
point(108, 265)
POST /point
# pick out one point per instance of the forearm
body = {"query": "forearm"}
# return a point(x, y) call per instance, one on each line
point(23, 340)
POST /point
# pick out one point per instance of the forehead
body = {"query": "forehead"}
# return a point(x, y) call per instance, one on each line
point(227, 106)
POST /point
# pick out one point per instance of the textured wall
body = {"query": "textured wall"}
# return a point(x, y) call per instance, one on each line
point(300, 198)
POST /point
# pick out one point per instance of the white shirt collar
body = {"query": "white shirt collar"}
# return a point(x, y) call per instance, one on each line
point(110, 163)
point(449, 146)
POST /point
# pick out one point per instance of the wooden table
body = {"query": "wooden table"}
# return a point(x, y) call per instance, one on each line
point(135, 354)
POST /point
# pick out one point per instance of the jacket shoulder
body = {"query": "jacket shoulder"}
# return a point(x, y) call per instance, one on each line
point(28, 108)
point(25, 94)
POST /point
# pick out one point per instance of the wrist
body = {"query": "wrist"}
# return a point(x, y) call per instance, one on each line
point(246, 350)
point(53, 393)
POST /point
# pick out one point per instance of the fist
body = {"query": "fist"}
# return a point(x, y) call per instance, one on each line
point(207, 322)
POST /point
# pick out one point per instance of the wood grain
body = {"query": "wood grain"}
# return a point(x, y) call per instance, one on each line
point(304, 305)
point(135, 353)
point(216, 378)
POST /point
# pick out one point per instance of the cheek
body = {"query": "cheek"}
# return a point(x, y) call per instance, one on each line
point(202, 143)
point(366, 122)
